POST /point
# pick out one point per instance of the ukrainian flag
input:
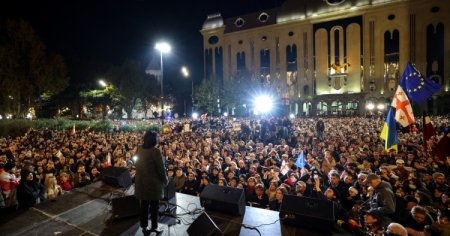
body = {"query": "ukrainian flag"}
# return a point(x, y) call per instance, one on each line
point(389, 132)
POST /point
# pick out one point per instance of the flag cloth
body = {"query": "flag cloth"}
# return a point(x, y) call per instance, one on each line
point(442, 150)
point(428, 130)
point(403, 110)
point(416, 86)
point(389, 132)
point(300, 162)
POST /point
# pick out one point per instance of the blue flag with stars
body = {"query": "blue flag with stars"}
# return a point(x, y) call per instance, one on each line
point(417, 88)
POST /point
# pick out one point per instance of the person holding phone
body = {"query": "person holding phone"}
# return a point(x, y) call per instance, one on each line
point(150, 181)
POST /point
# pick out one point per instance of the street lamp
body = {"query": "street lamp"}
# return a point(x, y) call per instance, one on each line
point(102, 83)
point(185, 73)
point(162, 47)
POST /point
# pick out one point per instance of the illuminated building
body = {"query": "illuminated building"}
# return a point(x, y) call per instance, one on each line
point(332, 57)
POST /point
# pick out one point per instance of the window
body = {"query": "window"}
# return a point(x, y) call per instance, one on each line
point(239, 22)
point(263, 17)
point(213, 40)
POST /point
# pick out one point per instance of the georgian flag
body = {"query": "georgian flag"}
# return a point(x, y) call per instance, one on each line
point(403, 110)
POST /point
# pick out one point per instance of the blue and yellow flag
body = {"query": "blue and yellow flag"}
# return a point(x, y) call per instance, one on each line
point(389, 132)
point(416, 86)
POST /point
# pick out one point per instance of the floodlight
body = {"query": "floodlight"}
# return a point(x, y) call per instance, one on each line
point(263, 104)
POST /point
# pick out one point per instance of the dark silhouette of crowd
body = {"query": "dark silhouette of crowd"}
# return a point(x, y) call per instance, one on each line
point(374, 191)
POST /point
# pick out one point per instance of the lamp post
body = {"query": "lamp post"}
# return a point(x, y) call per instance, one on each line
point(162, 47)
point(103, 84)
point(185, 73)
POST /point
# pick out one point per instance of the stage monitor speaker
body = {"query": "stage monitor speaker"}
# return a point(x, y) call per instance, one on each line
point(123, 207)
point(117, 176)
point(307, 212)
point(223, 199)
point(203, 226)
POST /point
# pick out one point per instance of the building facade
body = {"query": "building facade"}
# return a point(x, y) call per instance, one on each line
point(334, 57)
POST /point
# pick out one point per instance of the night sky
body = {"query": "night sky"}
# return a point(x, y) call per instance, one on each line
point(109, 32)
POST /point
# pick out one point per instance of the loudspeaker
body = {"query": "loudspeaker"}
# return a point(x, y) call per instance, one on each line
point(169, 190)
point(203, 226)
point(117, 176)
point(123, 207)
point(223, 199)
point(307, 212)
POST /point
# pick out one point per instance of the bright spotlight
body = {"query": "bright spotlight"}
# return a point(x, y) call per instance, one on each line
point(370, 106)
point(225, 114)
point(263, 104)
point(380, 106)
point(163, 47)
point(292, 116)
point(134, 158)
point(194, 115)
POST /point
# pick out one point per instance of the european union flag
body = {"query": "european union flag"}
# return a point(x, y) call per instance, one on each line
point(416, 86)
point(300, 162)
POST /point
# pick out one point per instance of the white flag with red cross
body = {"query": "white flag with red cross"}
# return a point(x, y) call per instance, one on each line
point(403, 109)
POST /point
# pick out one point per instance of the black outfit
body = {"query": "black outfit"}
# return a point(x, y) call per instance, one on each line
point(154, 207)
point(274, 205)
point(28, 192)
point(190, 187)
point(150, 180)
point(259, 202)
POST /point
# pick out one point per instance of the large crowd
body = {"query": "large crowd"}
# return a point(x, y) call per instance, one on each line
point(401, 191)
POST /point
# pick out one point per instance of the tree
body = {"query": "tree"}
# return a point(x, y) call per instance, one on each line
point(206, 95)
point(237, 90)
point(25, 72)
point(150, 93)
point(128, 80)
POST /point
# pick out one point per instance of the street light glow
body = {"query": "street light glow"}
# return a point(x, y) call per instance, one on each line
point(263, 104)
point(292, 116)
point(102, 83)
point(194, 115)
point(185, 71)
point(370, 106)
point(380, 106)
point(163, 47)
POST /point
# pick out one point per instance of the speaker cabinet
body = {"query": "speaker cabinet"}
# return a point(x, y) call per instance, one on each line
point(123, 207)
point(117, 176)
point(203, 226)
point(223, 199)
point(169, 190)
point(307, 212)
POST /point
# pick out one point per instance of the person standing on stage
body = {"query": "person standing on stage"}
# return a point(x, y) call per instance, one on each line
point(150, 181)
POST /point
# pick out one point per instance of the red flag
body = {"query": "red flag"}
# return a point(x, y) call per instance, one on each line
point(442, 150)
point(203, 116)
point(428, 130)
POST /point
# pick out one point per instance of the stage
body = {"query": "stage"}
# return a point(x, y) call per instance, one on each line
point(88, 211)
